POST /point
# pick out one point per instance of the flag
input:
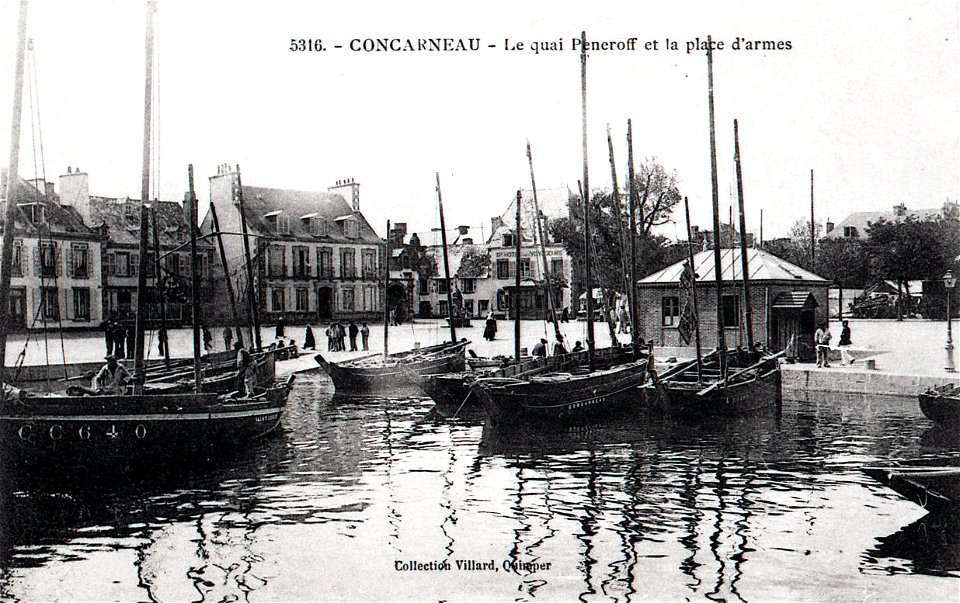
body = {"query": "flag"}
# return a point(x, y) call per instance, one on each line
point(688, 323)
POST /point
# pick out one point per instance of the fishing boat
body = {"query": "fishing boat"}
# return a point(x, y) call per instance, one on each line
point(394, 373)
point(942, 405)
point(585, 385)
point(64, 430)
point(729, 382)
point(934, 484)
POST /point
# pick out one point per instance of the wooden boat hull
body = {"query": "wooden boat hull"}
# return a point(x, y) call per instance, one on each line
point(98, 430)
point(399, 374)
point(942, 406)
point(684, 399)
point(935, 488)
point(562, 397)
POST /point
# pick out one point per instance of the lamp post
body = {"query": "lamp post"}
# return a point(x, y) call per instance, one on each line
point(949, 282)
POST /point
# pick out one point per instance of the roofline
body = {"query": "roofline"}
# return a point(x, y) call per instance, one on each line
point(753, 281)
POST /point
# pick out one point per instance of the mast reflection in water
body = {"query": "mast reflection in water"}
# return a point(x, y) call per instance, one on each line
point(349, 491)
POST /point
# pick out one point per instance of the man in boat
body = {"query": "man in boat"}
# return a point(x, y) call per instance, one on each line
point(112, 378)
point(540, 350)
point(246, 371)
point(577, 347)
point(558, 348)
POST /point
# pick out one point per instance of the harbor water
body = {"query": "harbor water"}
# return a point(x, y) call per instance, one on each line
point(396, 499)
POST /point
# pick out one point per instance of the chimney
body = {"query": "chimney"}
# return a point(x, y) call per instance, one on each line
point(495, 223)
point(463, 230)
point(830, 226)
point(900, 210)
point(466, 241)
point(350, 191)
point(75, 192)
point(222, 191)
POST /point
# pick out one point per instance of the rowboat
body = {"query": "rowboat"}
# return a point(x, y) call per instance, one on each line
point(395, 373)
point(942, 405)
point(933, 484)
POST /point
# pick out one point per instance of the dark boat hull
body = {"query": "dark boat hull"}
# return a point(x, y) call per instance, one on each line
point(563, 397)
point(684, 399)
point(400, 374)
point(942, 406)
point(111, 430)
point(936, 489)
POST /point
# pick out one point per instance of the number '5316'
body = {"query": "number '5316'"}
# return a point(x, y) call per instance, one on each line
point(304, 45)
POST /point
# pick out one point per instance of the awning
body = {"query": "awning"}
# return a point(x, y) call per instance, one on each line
point(795, 300)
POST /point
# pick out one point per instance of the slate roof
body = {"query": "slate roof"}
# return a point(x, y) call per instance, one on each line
point(59, 218)
point(259, 201)
point(763, 267)
point(552, 203)
point(122, 219)
point(861, 220)
point(795, 300)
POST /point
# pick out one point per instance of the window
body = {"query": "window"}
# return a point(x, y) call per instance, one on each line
point(424, 287)
point(501, 300)
point(348, 299)
point(524, 267)
point(35, 212)
point(850, 231)
point(443, 307)
point(277, 265)
point(369, 260)
point(277, 299)
point(173, 264)
point(670, 311)
point(79, 260)
point(301, 261)
point(324, 262)
point(348, 263)
point(283, 225)
point(503, 269)
point(17, 268)
point(302, 299)
point(468, 307)
point(508, 239)
point(81, 303)
point(49, 304)
point(318, 226)
point(48, 259)
point(556, 267)
point(731, 310)
point(351, 228)
point(201, 266)
point(469, 285)
point(441, 286)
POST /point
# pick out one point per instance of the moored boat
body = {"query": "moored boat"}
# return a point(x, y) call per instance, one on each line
point(396, 372)
point(934, 484)
point(942, 405)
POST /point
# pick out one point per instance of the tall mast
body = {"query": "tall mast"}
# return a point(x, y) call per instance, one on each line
point(516, 305)
point(717, 265)
point(813, 231)
point(744, 261)
point(191, 203)
point(10, 212)
point(252, 295)
point(631, 199)
point(586, 199)
point(618, 213)
point(158, 283)
point(386, 287)
point(226, 273)
point(693, 290)
point(446, 265)
point(144, 199)
point(543, 249)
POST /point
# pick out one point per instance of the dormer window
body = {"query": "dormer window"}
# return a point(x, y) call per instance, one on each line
point(129, 210)
point(508, 239)
point(280, 223)
point(351, 228)
point(314, 224)
point(36, 213)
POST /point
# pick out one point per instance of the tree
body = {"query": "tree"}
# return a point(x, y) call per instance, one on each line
point(904, 251)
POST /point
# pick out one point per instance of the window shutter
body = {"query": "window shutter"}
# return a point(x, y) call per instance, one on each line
point(111, 264)
point(36, 261)
point(70, 271)
point(57, 257)
point(69, 311)
point(134, 264)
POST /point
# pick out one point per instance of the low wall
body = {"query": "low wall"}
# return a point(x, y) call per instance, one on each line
point(798, 377)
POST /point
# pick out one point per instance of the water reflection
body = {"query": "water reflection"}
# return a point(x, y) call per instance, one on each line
point(633, 508)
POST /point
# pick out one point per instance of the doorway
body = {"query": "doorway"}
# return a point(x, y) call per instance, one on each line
point(324, 298)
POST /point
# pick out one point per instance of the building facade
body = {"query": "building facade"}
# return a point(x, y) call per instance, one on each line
point(787, 303)
point(857, 224)
point(316, 257)
point(56, 280)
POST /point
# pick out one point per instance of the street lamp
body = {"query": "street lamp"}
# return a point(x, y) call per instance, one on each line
point(949, 282)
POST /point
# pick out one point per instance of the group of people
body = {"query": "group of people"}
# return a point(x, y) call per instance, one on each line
point(540, 349)
point(822, 339)
point(337, 336)
point(119, 339)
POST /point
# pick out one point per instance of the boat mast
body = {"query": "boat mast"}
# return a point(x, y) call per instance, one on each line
point(10, 212)
point(226, 273)
point(744, 261)
point(543, 248)
point(191, 202)
point(158, 283)
point(631, 199)
point(586, 199)
point(718, 267)
point(693, 291)
point(516, 305)
point(144, 199)
point(446, 265)
point(618, 213)
point(386, 287)
point(248, 261)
